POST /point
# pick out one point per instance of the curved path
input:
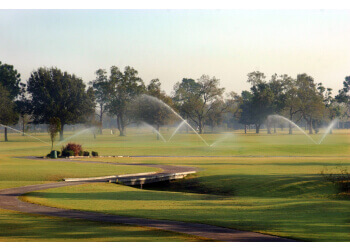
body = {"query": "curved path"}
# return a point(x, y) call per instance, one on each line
point(9, 200)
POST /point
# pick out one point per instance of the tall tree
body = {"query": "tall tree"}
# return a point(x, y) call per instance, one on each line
point(8, 115)
point(262, 101)
point(276, 84)
point(102, 89)
point(292, 101)
point(152, 112)
point(54, 93)
point(344, 96)
point(125, 87)
point(197, 99)
point(244, 115)
point(311, 100)
point(23, 108)
point(10, 80)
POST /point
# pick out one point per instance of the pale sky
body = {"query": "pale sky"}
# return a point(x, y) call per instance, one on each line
point(175, 44)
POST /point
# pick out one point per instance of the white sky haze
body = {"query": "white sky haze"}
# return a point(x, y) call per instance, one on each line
point(173, 44)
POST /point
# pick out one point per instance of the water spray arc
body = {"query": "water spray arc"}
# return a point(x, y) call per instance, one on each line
point(155, 130)
point(25, 134)
point(75, 135)
point(151, 98)
point(177, 129)
point(329, 128)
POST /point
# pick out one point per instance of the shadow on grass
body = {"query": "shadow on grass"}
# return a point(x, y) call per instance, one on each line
point(18, 227)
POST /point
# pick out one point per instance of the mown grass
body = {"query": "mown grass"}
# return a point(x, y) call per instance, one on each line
point(284, 196)
point(23, 227)
point(281, 196)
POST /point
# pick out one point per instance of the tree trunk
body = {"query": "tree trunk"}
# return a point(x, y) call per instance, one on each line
point(290, 129)
point(101, 120)
point(309, 124)
point(274, 128)
point(200, 126)
point(121, 126)
point(257, 128)
point(268, 127)
point(5, 133)
point(158, 132)
point(245, 128)
point(23, 126)
point(61, 132)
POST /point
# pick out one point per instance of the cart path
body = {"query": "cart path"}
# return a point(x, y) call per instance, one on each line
point(9, 200)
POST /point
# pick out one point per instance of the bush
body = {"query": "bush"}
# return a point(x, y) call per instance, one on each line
point(58, 153)
point(67, 153)
point(86, 153)
point(76, 148)
point(81, 153)
point(93, 153)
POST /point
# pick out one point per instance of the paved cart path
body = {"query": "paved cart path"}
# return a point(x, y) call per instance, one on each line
point(9, 200)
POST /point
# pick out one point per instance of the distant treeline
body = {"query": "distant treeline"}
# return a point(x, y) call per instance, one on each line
point(50, 92)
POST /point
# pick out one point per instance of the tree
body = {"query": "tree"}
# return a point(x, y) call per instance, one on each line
point(152, 112)
point(8, 115)
point(102, 89)
point(261, 103)
point(311, 100)
point(276, 84)
point(197, 99)
point(244, 115)
point(292, 101)
point(53, 128)
point(23, 108)
point(54, 93)
point(125, 87)
point(10, 80)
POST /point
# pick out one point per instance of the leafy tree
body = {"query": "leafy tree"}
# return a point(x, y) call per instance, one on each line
point(344, 93)
point(125, 87)
point(344, 96)
point(262, 100)
point(311, 100)
point(244, 115)
point(8, 115)
point(53, 128)
point(292, 101)
point(261, 104)
point(10, 80)
point(277, 87)
point(23, 108)
point(54, 93)
point(102, 89)
point(197, 99)
point(151, 112)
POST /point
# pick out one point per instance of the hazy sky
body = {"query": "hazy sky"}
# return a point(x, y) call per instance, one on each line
point(173, 44)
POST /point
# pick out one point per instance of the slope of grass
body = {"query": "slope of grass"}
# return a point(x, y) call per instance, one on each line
point(23, 227)
point(280, 196)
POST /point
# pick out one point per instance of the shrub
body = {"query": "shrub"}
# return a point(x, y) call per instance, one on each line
point(58, 153)
point(340, 177)
point(67, 153)
point(93, 153)
point(81, 153)
point(76, 148)
point(86, 153)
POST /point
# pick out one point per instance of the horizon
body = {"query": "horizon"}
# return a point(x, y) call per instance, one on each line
point(175, 44)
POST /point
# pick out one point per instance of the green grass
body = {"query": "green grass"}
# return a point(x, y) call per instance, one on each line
point(279, 196)
point(283, 196)
point(23, 227)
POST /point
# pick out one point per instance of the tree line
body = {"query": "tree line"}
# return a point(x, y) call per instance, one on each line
point(52, 93)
